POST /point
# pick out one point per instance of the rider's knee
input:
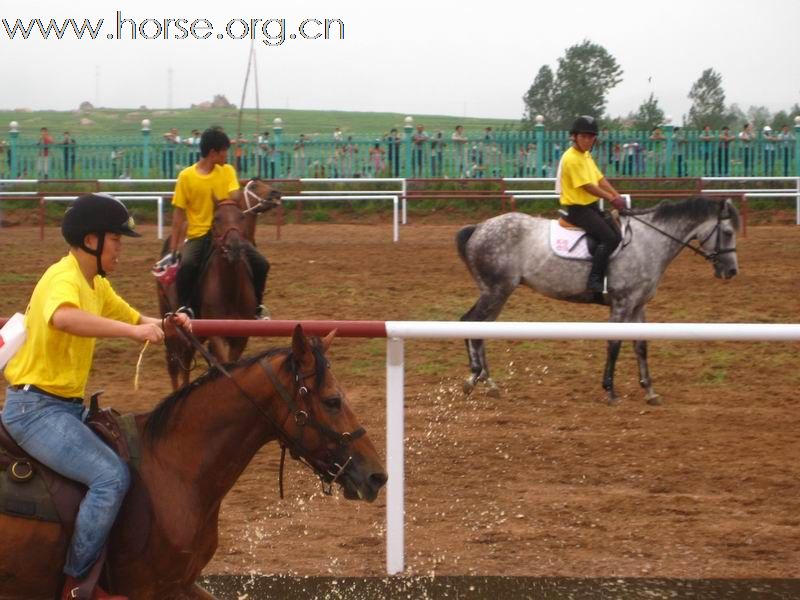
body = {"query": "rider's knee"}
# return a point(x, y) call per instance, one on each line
point(115, 479)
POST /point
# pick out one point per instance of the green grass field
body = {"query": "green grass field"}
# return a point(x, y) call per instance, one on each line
point(108, 122)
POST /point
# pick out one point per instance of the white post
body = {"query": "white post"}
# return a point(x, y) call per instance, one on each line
point(395, 221)
point(160, 218)
point(797, 201)
point(395, 509)
point(405, 200)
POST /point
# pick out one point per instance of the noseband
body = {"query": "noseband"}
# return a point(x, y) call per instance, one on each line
point(339, 460)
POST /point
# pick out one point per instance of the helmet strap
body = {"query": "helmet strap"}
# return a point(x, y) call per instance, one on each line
point(98, 252)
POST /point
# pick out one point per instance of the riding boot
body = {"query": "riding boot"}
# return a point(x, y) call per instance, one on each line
point(597, 275)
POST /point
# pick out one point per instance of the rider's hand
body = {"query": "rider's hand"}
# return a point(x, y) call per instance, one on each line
point(180, 319)
point(618, 202)
point(148, 332)
point(167, 260)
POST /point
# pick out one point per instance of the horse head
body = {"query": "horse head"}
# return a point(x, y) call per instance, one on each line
point(228, 230)
point(717, 237)
point(319, 427)
point(259, 196)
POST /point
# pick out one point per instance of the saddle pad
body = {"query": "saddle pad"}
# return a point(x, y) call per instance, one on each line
point(571, 242)
point(568, 243)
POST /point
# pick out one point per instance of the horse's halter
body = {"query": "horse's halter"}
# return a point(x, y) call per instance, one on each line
point(722, 215)
point(249, 195)
point(339, 460)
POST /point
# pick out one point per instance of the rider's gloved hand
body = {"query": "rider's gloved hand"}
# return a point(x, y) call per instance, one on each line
point(166, 260)
point(618, 202)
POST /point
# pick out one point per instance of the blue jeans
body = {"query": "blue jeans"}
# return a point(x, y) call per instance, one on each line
point(53, 432)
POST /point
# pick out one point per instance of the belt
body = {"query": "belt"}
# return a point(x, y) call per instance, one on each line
point(37, 390)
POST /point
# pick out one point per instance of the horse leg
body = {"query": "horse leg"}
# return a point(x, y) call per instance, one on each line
point(640, 348)
point(237, 346)
point(611, 364)
point(487, 308)
point(220, 348)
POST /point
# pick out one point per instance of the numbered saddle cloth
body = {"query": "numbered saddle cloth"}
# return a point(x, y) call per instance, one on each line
point(571, 242)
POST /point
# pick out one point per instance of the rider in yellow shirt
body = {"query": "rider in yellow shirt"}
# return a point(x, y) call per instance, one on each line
point(71, 305)
point(581, 185)
point(199, 186)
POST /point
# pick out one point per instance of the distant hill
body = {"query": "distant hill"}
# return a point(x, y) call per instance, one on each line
point(106, 122)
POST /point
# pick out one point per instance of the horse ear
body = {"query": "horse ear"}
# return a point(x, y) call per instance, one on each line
point(301, 348)
point(326, 341)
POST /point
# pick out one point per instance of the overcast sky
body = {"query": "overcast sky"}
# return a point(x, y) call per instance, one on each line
point(463, 58)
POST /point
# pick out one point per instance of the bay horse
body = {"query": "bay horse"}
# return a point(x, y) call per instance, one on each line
point(512, 249)
point(193, 447)
point(225, 286)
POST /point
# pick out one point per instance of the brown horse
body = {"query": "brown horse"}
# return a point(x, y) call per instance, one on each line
point(226, 284)
point(194, 446)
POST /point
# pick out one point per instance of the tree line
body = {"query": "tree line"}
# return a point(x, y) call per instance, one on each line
point(588, 72)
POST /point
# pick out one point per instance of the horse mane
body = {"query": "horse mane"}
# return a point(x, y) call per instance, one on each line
point(695, 208)
point(155, 427)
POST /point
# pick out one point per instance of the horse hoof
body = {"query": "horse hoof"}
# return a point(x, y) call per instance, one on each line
point(654, 400)
point(493, 392)
point(467, 387)
point(613, 400)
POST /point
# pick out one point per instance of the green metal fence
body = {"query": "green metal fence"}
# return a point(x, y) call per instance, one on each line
point(668, 152)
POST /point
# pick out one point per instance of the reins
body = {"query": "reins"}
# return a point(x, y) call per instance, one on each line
point(712, 256)
point(329, 474)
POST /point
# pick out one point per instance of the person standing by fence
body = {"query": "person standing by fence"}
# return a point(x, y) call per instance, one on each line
point(708, 157)
point(419, 139)
point(171, 141)
point(724, 152)
point(460, 147)
point(745, 143)
point(786, 142)
point(45, 141)
point(393, 152)
point(679, 148)
point(68, 149)
point(769, 150)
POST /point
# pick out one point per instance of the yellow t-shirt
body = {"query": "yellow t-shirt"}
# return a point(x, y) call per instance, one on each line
point(195, 193)
point(577, 169)
point(56, 361)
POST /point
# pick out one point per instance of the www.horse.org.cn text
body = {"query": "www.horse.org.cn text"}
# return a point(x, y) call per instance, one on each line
point(269, 31)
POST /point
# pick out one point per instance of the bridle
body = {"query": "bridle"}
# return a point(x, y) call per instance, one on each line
point(220, 240)
point(250, 195)
point(723, 214)
point(328, 473)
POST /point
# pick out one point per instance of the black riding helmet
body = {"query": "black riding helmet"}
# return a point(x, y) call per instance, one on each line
point(584, 124)
point(98, 214)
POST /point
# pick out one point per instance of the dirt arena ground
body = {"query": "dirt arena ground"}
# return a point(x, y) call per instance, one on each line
point(544, 481)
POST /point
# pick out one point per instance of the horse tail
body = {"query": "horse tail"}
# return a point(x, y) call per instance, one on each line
point(462, 237)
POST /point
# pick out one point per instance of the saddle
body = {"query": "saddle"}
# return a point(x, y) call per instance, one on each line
point(572, 242)
point(31, 490)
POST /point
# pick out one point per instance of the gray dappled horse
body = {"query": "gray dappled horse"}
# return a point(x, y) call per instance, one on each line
point(512, 249)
